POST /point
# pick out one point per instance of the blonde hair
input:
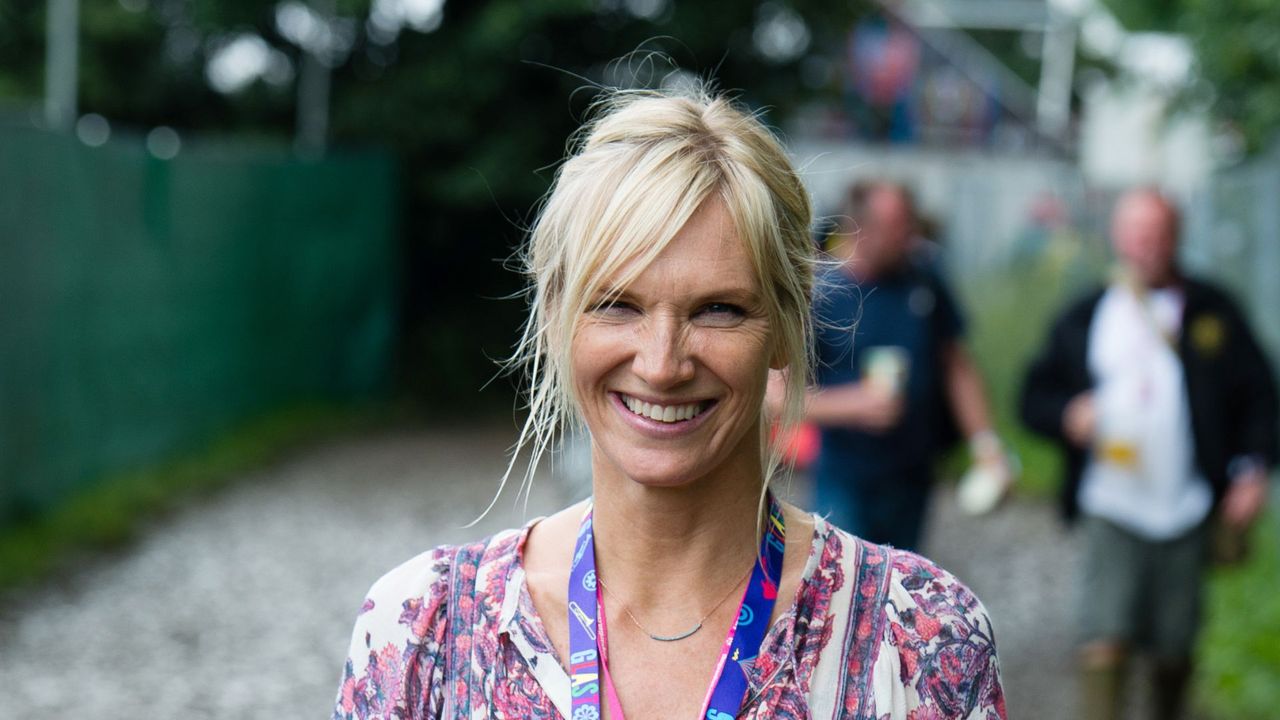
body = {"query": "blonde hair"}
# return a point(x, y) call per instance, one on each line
point(635, 174)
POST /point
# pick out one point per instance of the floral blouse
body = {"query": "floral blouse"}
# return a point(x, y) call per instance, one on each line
point(875, 634)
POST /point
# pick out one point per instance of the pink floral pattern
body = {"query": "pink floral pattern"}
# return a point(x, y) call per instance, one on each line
point(875, 634)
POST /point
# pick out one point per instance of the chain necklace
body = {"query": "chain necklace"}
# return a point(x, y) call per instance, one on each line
point(688, 633)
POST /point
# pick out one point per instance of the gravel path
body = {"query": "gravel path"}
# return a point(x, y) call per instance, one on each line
point(240, 605)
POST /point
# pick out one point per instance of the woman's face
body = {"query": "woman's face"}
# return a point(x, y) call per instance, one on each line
point(670, 372)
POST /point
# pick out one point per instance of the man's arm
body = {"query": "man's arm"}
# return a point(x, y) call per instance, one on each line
point(967, 394)
point(859, 405)
point(1049, 402)
point(1255, 395)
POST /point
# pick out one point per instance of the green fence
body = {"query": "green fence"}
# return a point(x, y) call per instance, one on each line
point(147, 304)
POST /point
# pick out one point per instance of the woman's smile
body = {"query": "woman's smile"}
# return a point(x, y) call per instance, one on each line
point(662, 419)
point(665, 413)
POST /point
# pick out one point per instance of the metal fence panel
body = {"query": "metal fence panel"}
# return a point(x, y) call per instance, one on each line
point(1233, 236)
point(146, 304)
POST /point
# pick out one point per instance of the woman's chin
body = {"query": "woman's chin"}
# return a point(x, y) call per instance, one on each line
point(690, 466)
point(662, 480)
point(659, 473)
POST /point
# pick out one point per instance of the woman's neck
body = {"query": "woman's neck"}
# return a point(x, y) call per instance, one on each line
point(699, 538)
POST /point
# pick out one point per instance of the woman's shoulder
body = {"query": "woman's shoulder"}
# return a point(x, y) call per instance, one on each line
point(903, 578)
point(420, 577)
point(409, 602)
point(916, 579)
point(937, 642)
point(424, 580)
point(395, 658)
point(917, 636)
point(892, 632)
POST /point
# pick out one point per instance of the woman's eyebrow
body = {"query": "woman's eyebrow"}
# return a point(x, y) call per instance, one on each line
point(737, 292)
point(731, 292)
point(609, 293)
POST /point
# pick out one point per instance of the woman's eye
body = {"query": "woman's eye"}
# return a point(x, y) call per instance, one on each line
point(613, 309)
point(721, 314)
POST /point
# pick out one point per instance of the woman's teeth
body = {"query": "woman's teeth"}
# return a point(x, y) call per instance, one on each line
point(661, 413)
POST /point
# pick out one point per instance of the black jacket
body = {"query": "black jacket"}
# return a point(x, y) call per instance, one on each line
point(1230, 387)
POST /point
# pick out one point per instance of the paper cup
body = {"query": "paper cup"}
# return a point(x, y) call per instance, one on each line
point(885, 367)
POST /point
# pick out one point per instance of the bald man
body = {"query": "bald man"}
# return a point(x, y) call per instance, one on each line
point(1166, 412)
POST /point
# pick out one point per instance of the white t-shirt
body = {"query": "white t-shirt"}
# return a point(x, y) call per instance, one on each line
point(1141, 474)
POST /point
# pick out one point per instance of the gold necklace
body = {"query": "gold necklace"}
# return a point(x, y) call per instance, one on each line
point(687, 633)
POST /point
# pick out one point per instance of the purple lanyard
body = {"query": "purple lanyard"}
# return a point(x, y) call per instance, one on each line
point(741, 645)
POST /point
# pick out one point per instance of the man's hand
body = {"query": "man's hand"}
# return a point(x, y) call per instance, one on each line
point(1245, 499)
point(1080, 420)
point(990, 478)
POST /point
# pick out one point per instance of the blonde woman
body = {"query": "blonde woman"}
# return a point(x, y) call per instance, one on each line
point(672, 270)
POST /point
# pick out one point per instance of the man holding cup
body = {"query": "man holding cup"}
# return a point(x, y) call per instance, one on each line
point(1165, 409)
point(893, 375)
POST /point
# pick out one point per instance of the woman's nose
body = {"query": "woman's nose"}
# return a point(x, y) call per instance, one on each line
point(662, 359)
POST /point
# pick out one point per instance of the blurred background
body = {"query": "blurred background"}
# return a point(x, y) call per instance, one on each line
point(255, 274)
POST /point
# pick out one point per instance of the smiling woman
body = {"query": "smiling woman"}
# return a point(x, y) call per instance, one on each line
point(669, 371)
point(671, 274)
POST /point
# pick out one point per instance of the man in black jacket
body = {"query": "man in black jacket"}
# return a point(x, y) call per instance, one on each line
point(1166, 410)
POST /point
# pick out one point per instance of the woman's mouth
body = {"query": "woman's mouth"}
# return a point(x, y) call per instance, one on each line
point(674, 413)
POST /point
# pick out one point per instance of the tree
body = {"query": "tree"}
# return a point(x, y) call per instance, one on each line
point(1237, 45)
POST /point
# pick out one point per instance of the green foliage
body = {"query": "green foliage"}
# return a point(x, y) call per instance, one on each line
point(21, 49)
point(1147, 14)
point(108, 514)
point(1239, 658)
point(1237, 45)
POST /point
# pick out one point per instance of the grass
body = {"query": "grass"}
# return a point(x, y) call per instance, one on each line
point(1239, 655)
point(109, 513)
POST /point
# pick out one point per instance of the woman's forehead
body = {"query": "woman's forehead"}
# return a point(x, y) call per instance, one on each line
point(706, 252)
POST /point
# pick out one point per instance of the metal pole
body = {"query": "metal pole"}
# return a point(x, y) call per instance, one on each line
point(313, 92)
point(1057, 72)
point(1265, 291)
point(61, 54)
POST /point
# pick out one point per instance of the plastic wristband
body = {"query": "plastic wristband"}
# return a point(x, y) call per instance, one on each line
point(985, 443)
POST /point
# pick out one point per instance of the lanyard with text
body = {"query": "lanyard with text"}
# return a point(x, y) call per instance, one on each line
point(741, 645)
